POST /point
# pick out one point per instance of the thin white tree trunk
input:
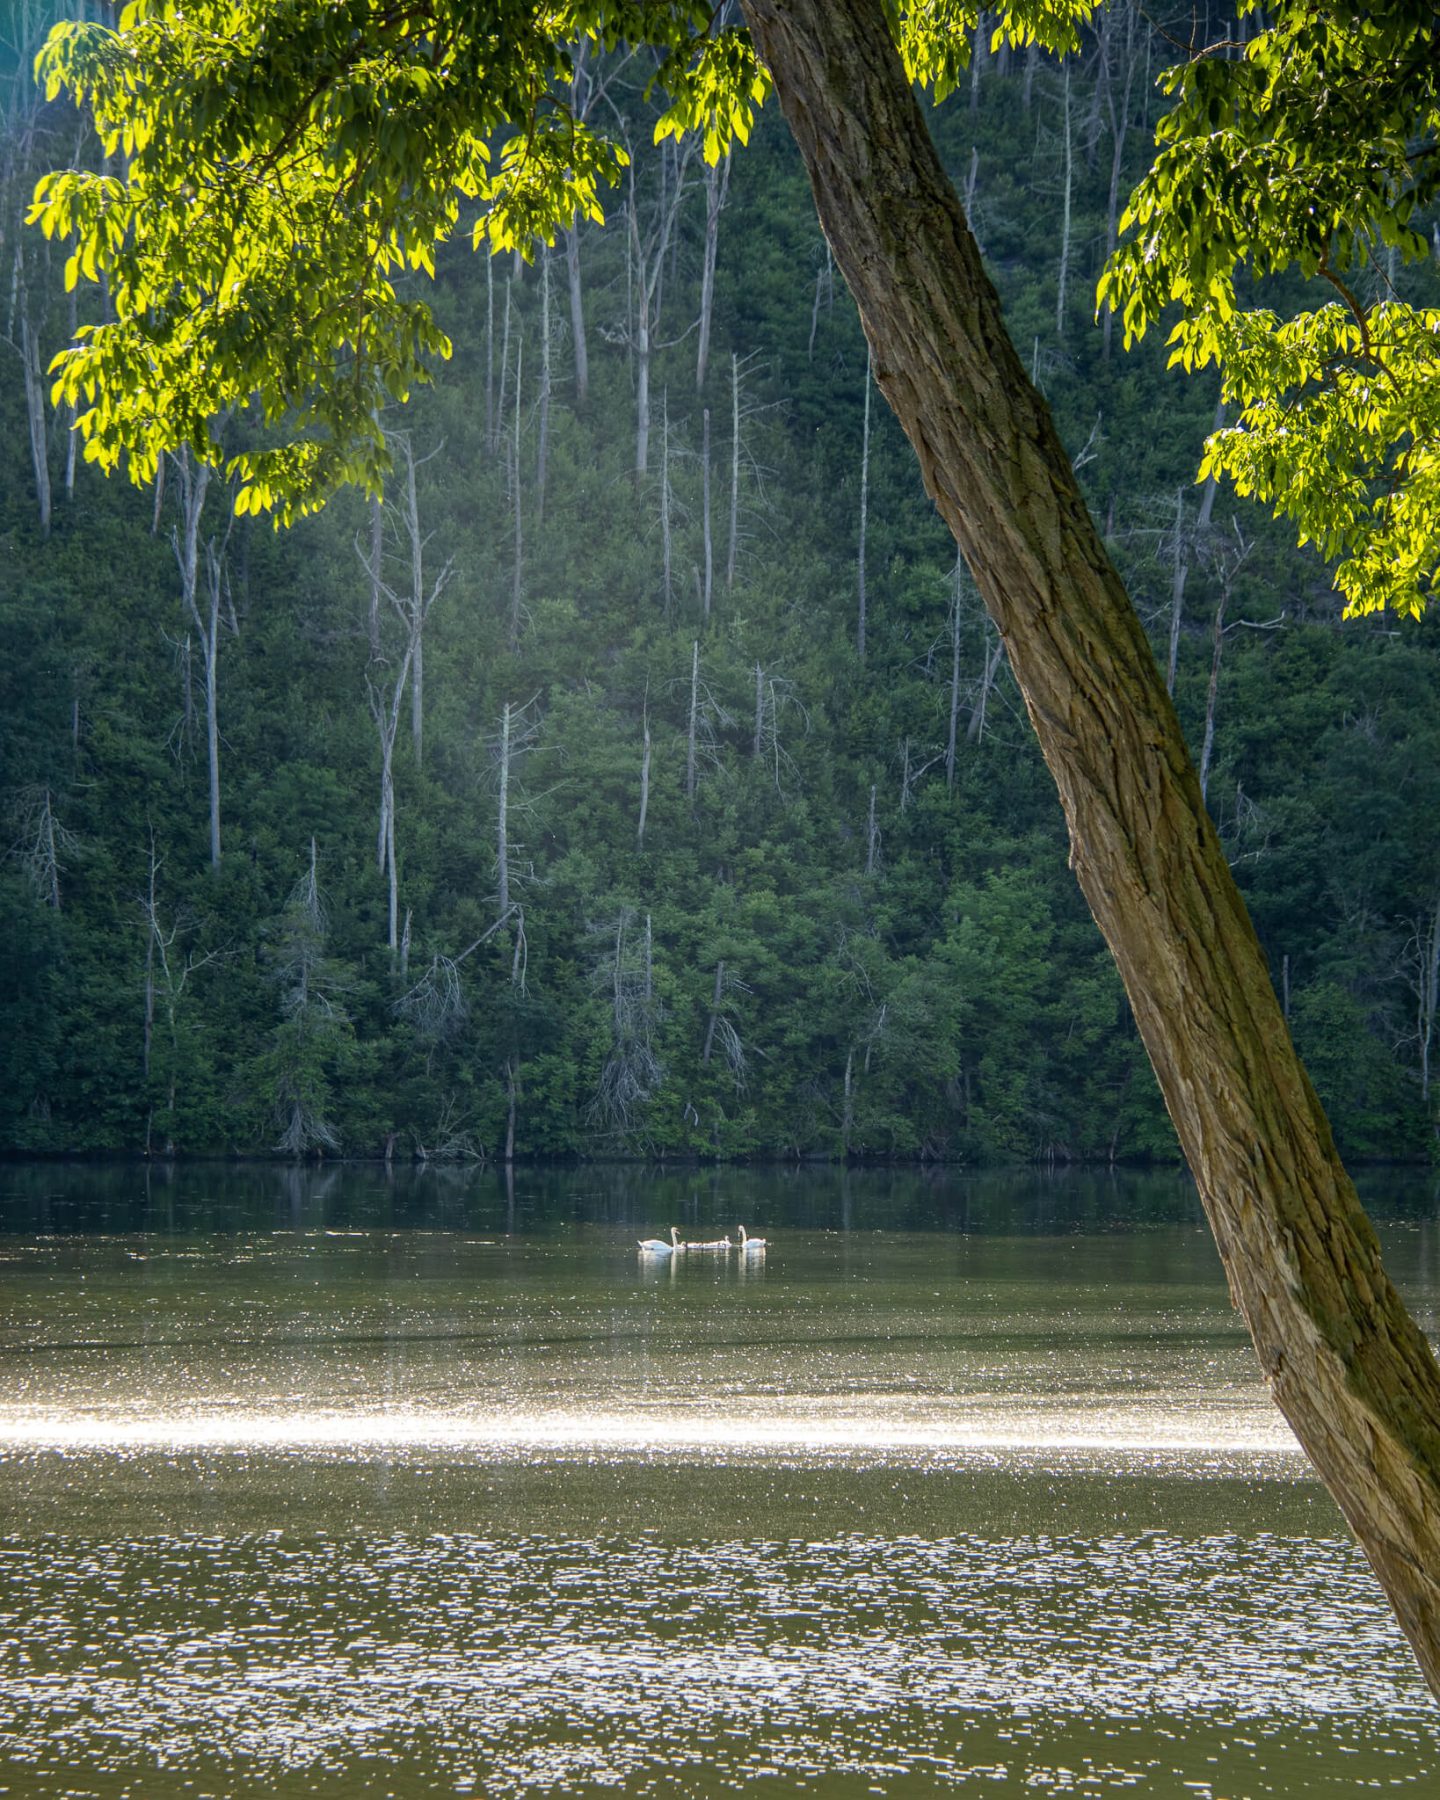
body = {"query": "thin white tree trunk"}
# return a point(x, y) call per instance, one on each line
point(1062, 281)
point(579, 347)
point(717, 181)
point(954, 684)
point(861, 621)
point(734, 471)
point(644, 787)
point(502, 819)
point(542, 420)
point(708, 588)
point(694, 724)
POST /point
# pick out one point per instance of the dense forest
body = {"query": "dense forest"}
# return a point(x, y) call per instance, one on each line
point(642, 776)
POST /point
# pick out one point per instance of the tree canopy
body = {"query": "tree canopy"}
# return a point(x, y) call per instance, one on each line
point(1314, 147)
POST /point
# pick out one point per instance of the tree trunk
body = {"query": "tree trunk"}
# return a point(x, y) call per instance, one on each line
point(691, 732)
point(954, 686)
point(861, 622)
point(542, 401)
point(35, 415)
point(734, 547)
point(644, 789)
point(709, 536)
point(579, 347)
point(1347, 1365)
point(518, 570)
point(717, 180)
point(1063, 278)
point(502, 820)
point(667, 544)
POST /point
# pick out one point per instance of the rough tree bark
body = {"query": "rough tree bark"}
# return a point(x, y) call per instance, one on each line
point(1347, 1365)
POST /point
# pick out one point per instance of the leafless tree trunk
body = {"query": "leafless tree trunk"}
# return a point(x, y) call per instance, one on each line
point(209, 634)
point(975, 730)
point(35, 419)
point(1063, 277)
point(644, 785)
point(377, 550)
point(1346, 1363)
point(824, 291)
point(194, 481)
point(632, 1071)
point(758, 740)
point(72, 436)
point(42, 843)
point(1119, 127)
point(694, 721)
point(1421, 969)
point(861, 620)
point(647, 256)
point(709, 587)
point(717, 181)
point(954, 682)
point(517, 584)
point(489, 352)
point(872, 836)
point(542, 402)
point(385, 711)
point(501, 410)
point(502, 819)
point(734, 471)
point(1180, 568)
point(667, 499)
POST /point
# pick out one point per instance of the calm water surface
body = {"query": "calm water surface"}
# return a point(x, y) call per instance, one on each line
point(323, 1484)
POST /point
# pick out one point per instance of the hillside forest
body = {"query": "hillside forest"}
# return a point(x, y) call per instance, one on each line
point(642, 777)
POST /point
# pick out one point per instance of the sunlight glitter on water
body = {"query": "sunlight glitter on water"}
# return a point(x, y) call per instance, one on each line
point(658, 1432)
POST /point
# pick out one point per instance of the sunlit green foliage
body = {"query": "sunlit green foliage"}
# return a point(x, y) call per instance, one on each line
point(1313, 149)
point(283, 166)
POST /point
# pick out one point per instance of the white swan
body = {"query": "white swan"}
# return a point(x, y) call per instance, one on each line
point(658, 1246)
point(714, 1244)
point(756, 1246)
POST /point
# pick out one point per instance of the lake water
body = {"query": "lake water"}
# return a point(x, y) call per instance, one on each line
point(324, 1483)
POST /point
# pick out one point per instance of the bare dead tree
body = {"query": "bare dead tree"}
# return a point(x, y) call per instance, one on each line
point(1186, 545)
point(193, 479)
point(542, 401)
point(632, 1071)
point(648, 251)
point(994, 656)
point(309, 1010)
point(518, 731)
point(954, 708)
point(517, 576)
point(384, 699)
point(721, 1029)
point(667, 508)
point(872, 836)
point(411, 599)
point(1420, 971)
point(717, 182)
point(709, 585)
point(774, 697)
point(166, 975)
point(1119, 118)
point(824, 295)
point(41, 845)
point(861, 604)
point(644, 781)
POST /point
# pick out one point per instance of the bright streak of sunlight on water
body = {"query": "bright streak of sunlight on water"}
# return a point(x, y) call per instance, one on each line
point(660, 1432)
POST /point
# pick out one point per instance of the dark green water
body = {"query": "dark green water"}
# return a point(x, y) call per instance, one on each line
point(328, 1484)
